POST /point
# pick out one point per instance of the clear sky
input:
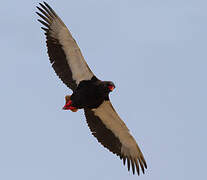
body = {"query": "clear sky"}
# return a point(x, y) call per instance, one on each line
point(155, 51)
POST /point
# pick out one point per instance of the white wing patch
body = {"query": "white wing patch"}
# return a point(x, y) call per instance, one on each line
point(79, 68)
point(113, 122)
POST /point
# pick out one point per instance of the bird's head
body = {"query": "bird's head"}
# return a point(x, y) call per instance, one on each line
point(108, 86)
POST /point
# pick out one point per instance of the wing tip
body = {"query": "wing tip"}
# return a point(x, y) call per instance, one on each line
point(134, 164)
point(46, 4)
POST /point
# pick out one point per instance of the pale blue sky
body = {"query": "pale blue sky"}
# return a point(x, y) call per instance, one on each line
point(154, 51)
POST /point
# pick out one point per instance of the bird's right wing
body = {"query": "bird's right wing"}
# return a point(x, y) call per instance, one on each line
point(64, 53)
point(106, 125)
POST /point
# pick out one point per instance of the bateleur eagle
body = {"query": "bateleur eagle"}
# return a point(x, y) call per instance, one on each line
point(89, 93)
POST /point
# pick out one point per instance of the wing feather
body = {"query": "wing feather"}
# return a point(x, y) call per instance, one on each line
point(64, 53)
point(112, 133)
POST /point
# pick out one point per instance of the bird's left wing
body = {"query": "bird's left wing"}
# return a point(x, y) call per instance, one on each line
point(64, 53)
point(106, 125)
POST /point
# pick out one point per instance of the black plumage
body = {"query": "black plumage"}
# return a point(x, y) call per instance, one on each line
point(91, 93)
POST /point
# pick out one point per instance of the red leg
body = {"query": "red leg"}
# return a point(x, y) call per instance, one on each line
point(68, 105)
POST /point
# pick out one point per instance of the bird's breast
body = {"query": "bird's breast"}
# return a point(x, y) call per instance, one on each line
point(88, 95)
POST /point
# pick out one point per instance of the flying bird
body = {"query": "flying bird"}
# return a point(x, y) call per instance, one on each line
point(89, 93)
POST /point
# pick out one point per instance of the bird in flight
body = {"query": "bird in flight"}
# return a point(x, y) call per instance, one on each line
point(89, 93)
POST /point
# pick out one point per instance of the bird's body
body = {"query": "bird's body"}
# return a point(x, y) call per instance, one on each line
point(89, 93)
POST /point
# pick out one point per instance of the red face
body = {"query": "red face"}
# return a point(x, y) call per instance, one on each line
point(111, 87)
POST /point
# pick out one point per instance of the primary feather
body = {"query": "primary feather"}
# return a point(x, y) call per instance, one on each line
point(65, 55)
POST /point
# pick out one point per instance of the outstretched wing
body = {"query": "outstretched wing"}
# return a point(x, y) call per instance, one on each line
point(106, 125)
point(64, 53)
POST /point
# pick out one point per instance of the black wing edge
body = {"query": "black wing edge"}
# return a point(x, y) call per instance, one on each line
point(55, 51)
point(107, 138)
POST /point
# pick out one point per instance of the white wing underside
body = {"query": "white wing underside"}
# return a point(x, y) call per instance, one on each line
point(75, 59)
point(113, 122)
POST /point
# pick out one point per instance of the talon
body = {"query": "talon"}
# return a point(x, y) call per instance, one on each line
point(74, 109)
point(68, 103)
